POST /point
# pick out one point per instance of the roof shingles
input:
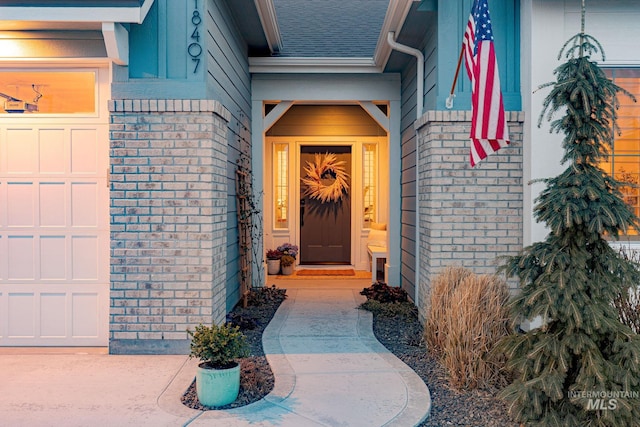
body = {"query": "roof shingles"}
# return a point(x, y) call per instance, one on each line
point(330, 28)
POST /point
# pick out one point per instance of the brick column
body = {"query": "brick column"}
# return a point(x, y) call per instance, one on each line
point(168, 196)
point(467, 216)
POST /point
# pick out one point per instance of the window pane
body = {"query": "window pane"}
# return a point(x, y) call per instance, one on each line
point(369, 181)
point(281, 184)
point(624, 162)
point(50, 92)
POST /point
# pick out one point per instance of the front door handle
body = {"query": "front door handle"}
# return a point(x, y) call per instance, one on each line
point(302, 203)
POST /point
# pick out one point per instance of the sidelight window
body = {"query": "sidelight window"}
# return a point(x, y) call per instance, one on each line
point(369, 180)
point(281, 184)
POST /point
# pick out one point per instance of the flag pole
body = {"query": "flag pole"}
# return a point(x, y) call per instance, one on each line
point(449, 102)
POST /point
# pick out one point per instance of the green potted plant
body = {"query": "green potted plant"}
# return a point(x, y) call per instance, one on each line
point(273, 261)
point(218, 376)
point(286, 264)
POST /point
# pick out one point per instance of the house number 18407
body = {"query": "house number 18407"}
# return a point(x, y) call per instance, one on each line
point(195, 49)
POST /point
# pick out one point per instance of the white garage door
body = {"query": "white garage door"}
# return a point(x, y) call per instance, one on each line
point(54, 232)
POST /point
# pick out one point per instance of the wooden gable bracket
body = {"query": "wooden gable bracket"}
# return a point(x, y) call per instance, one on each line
point(275, 114)
point(116, 40)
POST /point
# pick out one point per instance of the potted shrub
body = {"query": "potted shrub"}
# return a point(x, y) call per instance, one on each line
point(286, 264)
point(218, 376)
point(273, 261)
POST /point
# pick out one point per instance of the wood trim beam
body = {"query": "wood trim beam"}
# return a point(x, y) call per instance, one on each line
point(376, 114)
point(116, 40)
point(275, 114)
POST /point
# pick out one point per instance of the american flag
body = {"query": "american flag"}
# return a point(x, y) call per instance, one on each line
point(489, 130)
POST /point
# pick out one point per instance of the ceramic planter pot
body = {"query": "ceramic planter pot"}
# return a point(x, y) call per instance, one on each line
point(273, 266)
point(217, 387)
point(287, 270)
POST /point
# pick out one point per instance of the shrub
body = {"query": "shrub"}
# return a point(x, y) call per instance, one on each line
point(390, 309)
point(263, 295)
point(468, 316)
point(218, 345)
point(382, 292)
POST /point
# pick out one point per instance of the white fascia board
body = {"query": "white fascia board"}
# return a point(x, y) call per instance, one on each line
point(393, 22)
point(268, 19)
point(312, 65)
point(78, 14)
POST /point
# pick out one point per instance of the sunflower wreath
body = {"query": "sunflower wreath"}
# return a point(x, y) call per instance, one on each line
point(323, 165)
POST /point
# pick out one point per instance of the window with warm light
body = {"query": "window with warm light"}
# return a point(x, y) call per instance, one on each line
point(369, 180)
point(281, 185)
point(624, 160)
point(47, 92)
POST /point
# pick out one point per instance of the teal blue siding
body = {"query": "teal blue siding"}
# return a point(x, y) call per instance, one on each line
point(158, 45)
point(408, 181)
point(143, 46)
point(452, 20)
point(228, 81)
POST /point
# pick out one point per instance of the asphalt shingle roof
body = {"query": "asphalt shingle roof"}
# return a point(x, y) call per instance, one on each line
point(330, 28)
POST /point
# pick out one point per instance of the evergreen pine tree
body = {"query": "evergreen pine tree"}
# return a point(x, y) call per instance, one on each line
point(572, 277)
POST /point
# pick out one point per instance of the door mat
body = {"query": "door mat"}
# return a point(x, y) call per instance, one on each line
point(321, 272)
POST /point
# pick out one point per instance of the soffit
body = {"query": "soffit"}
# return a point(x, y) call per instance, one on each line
point(26, 15)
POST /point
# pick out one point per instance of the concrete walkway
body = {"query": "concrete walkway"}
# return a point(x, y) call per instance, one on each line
point(329, 368)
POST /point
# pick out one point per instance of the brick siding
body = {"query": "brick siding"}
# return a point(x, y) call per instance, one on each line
point(467, 216)
point(168, 192)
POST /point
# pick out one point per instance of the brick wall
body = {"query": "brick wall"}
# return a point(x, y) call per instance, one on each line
point(467, 216)
point(168, 221)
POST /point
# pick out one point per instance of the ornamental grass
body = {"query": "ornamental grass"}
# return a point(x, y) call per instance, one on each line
point(467, 317)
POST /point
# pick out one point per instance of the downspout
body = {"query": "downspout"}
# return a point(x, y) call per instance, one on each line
point(419, 68)
point(391, 36)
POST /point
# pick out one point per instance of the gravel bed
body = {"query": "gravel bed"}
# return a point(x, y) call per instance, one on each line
point(402, 335)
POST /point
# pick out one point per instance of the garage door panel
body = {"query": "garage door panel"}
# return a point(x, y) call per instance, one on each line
point(20, 212)
point(84, 257)
point(4, 261)
point(54, 233)
point(85, 323)
point(21, 320)
point(53, 157)
point(84, 197)
point(53, 309)
point(21, 257)
point(53, 204)
point(21, 151)
point(53, 258)
point(84, 151)
point(55, 315)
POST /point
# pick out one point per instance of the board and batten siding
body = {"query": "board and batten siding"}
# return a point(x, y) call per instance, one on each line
point(453, 16)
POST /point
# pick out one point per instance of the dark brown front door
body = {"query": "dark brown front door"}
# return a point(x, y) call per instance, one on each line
point(325, 225)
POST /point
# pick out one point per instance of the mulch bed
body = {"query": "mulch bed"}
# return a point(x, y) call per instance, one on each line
point(256, 377)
